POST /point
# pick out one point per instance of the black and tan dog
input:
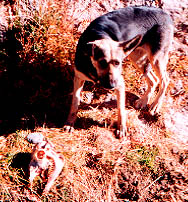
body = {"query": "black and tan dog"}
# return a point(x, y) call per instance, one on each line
point(144, 34)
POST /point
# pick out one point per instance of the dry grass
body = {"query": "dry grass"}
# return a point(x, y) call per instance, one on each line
point(149, 166)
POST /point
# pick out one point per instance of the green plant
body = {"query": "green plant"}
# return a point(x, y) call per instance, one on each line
point(145, 156)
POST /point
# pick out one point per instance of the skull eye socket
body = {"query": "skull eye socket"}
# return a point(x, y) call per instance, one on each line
point(40, 154)
point(103, 63)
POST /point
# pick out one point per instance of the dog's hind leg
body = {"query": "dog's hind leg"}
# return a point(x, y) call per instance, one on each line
point(140, 59)
point(152, 82)
point(159, 63)
point(160, 68)
point(78, 85)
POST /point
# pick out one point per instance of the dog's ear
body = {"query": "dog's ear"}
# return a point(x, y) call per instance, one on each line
point(88, 50)
point(129, 46)
point(94, 50)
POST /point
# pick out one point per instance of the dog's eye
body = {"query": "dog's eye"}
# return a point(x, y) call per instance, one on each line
point(103, 64)
point(115, 62)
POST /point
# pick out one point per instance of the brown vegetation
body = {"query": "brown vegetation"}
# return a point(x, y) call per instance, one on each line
point(36, 75)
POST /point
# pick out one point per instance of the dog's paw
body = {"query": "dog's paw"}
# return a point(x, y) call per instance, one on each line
point(45, 192)
point(121, 133)
point(68, 128)
point(154, 109)
point(141, 103)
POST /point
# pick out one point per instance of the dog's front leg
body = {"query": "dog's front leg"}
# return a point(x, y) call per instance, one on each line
point(78, 85)
point(121, 126)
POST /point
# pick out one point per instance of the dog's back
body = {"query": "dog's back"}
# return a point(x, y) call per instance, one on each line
point(123, 25)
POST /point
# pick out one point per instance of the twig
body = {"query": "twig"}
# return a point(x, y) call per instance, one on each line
point(173, 198)
point(150, 185)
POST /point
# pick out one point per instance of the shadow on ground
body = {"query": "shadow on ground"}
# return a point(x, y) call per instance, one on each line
point(21, 162)
point(33, 93)
point(85, 123)
point(37, 93)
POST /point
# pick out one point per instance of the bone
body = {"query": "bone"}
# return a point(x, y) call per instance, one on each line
point(35, 138)
point(45, 161)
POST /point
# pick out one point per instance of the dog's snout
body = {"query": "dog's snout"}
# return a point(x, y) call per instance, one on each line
point(108, 82)
point(113, 83)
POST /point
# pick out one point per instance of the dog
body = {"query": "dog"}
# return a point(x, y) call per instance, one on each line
point(144, 35)
point(45, 162)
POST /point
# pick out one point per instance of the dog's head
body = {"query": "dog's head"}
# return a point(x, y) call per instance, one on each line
point(107, 56)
